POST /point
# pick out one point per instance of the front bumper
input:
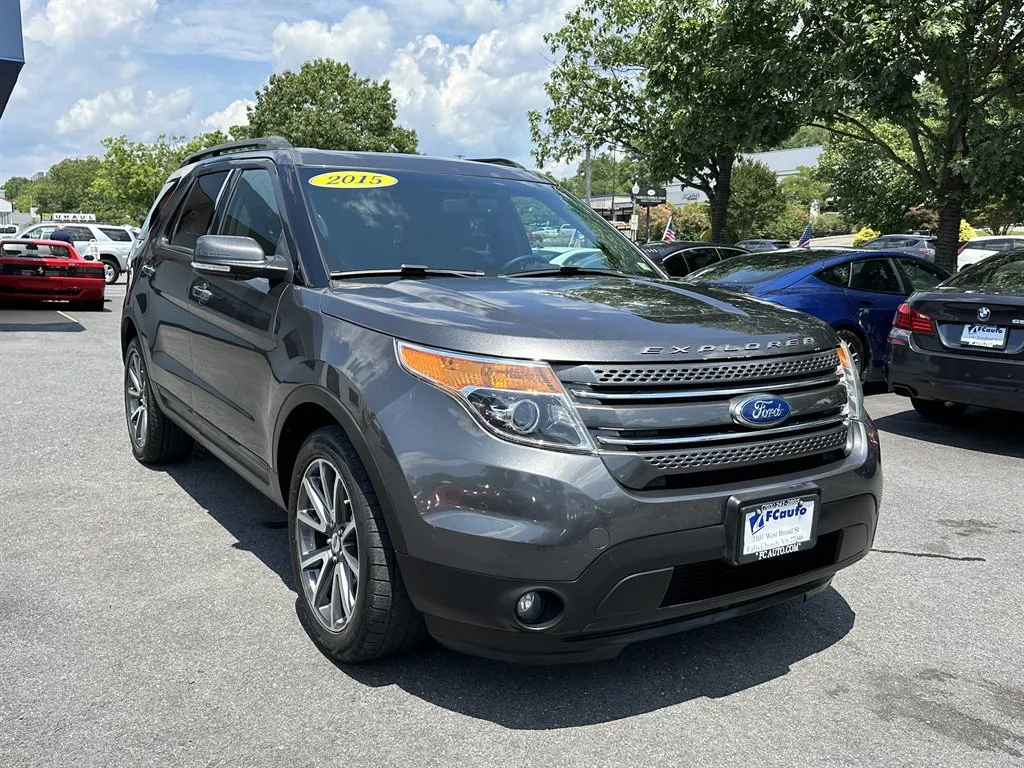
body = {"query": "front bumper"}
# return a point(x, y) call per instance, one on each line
point(485, 521)
point(988, 382)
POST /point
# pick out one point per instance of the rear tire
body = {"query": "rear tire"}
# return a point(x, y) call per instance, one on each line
point(155, 439)
point(938, 410)
point(359, 613)
point(111, 272)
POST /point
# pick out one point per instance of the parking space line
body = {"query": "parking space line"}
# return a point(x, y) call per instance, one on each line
point(69, 317)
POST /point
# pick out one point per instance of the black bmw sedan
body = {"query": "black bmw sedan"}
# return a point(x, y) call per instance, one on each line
point(962, 343)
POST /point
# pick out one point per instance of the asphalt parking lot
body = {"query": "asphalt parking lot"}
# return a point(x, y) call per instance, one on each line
point(147, 618)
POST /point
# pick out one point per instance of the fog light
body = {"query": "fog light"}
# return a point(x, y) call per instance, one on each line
point(529, 607)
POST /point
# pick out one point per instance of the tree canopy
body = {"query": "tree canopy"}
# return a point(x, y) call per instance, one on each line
point(325, 105)
point(683, 90)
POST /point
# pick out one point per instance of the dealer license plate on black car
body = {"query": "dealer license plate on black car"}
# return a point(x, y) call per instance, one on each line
point(773, 528)
point(989, 336)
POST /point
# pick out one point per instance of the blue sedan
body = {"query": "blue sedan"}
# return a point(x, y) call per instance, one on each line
point(856, 292)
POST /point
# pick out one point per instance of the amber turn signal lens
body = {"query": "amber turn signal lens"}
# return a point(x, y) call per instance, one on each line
point(844, 358)
point(457, 373)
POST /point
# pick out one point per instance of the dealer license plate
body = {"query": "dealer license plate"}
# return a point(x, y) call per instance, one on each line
point(773, 528)
point(989, 336)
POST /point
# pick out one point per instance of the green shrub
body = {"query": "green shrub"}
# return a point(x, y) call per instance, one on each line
point(864, 234)
point(788, 226)
point(967, 232)
point(828, 224)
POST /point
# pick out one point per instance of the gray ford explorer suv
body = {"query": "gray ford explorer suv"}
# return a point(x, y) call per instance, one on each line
point(527, 460)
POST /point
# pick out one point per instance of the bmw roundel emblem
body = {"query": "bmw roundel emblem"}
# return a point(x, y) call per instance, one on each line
point(984, 313)
point(761, 410)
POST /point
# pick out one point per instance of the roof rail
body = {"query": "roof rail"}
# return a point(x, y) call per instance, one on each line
point(498, 161)
point(263, 142)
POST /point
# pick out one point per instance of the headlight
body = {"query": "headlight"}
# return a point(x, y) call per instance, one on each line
point(851, 377)
point(516, 400)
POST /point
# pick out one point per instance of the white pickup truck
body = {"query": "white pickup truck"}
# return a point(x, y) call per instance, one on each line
point(110, 243)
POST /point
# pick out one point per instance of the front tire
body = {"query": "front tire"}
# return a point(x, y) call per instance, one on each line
point(155, 439)
point(351, 598)
point(938, 410)
point(857, 349)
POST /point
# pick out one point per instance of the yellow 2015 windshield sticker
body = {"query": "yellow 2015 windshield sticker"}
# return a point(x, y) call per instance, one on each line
point(344, 179)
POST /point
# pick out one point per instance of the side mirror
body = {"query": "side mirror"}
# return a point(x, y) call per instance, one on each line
point(240, 258)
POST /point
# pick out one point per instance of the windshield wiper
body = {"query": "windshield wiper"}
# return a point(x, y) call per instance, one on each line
point(565, 270)
point(407, 270)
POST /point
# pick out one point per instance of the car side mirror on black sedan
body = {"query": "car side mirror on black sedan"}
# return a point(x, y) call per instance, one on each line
point(238, 257)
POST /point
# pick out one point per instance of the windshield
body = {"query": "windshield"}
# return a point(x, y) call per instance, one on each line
point(495, 226)
point(753, 268)
point(1004, 272)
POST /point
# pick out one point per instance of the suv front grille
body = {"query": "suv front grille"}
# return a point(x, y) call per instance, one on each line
point(666, 425)
point(699, 373)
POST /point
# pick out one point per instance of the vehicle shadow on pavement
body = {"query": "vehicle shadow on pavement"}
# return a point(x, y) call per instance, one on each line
point(24, 317)
point(980, 429)
point(257, 524)
point(713, 662)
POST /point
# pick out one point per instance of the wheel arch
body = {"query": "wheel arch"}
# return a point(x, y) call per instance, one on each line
point(304, 411)
point(128, 332)
point(859, 332)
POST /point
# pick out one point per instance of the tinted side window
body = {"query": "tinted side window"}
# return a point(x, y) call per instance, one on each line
point(995, 245)
point(197, 210)
point(699, 258)
point(41, 233)
point(160, 208)
point(876, 275)
point(837, 275)
point(921, 276)
point(725, 253)
point(81, 234)
point(252, 210)
point(120, 235)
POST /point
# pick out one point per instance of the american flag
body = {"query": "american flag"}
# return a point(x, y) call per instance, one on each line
point(805, 238)
point(670, 233)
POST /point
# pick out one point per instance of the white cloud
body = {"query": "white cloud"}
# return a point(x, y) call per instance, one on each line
point(233, 114)
point(65, 23)
point(122, 110)
point(362, 39)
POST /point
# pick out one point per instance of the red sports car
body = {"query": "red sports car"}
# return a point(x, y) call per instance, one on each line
point(50, 270)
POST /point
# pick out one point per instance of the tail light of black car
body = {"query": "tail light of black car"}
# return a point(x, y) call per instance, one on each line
point(908, 321)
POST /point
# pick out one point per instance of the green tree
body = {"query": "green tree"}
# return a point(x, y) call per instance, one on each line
point(685, 88)
point(806, 136)
point(65, 186)
point(805, 187)
point(871, 189)
point(325, 105)
point(132, 173)
point(757, 199)
point(13, 186)
point(932, 70)
point(608, 173)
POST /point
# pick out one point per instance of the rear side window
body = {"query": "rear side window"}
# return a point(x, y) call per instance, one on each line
point(921, 276)
point(699, 258)
point(160, 208)
point(252, 210)
point(875, 275)
point(118, 235)
point(837, 275)
point(197, 210)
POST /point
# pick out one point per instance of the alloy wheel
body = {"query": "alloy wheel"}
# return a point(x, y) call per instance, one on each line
point(325, 533)
point(108, 272)
point(135, 394)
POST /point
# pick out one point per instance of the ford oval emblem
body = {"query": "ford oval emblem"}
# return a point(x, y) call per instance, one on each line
point(759, 410)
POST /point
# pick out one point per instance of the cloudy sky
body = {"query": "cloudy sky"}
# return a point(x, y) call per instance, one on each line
point(464, 72)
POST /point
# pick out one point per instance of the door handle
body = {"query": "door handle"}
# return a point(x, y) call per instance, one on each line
point(148, 270)
point(866, 303)
point(201, 294)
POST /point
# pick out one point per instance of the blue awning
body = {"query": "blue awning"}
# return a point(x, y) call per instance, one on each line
point(12, 50)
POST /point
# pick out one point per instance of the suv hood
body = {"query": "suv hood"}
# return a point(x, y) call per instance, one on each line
point(575, 319)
